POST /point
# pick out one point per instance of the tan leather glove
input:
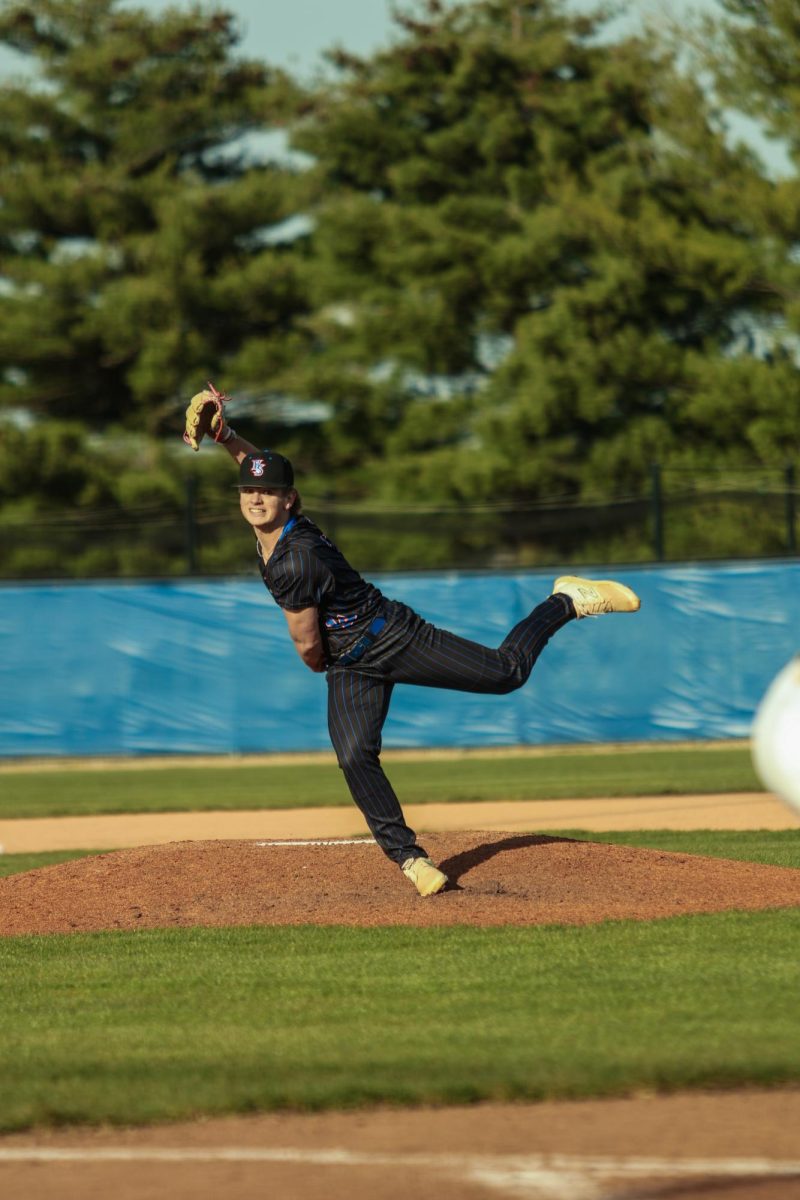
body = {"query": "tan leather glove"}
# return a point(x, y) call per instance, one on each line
point(205, 416)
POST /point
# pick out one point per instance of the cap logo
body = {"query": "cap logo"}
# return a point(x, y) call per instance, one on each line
point(257, 467)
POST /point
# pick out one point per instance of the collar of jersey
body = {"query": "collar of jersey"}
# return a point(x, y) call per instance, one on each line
point(292, 521)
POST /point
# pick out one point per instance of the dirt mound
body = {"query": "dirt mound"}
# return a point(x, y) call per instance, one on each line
point(495, 879)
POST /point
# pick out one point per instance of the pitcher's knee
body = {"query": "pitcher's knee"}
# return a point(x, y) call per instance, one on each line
point(510, 679)
point(353, 757)
point(508, 685)
point(503, 672)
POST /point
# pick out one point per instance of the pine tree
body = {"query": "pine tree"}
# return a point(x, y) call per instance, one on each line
point(547, 230)
point(132, 213)
point(753, 54)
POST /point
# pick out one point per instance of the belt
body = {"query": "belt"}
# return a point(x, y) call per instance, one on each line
point(363, 644)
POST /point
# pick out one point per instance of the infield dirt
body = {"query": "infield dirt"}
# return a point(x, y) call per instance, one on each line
point(714, 1146)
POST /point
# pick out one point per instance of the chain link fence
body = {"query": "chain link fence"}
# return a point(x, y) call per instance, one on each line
point(719, 515)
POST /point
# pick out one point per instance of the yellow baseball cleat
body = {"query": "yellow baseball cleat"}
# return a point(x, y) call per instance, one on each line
point(592, 597)
point(427, 879)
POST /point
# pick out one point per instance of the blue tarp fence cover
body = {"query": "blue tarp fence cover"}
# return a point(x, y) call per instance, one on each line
point(195, 666)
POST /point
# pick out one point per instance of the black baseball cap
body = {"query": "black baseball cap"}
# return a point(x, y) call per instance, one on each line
point(265, 468)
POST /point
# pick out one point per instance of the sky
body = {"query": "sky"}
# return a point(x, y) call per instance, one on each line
point(294, 34)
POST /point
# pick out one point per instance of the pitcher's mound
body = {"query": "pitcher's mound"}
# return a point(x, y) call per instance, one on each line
point(495, 879)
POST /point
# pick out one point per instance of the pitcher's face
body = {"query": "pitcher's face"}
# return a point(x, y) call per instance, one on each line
point(266, 507)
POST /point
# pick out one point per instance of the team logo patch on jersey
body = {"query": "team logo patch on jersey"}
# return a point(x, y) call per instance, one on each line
point(257, 467)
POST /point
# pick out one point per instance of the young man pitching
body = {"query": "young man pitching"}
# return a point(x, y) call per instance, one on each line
point(366, 643)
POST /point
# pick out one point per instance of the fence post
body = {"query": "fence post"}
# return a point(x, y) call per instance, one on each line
point(657, 512)
point(791, 506)
point(191, 524)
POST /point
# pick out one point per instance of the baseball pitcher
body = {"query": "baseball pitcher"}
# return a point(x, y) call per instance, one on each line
point(366, 643)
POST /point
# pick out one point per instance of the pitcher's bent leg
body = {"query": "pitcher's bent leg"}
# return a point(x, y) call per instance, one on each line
point(527, 640)
point(438, 658)
point(357, 708)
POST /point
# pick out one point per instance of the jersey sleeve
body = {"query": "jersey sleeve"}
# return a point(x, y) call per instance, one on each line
point(301, 580)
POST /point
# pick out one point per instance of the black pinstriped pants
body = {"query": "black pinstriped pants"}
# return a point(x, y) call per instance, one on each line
point(359, 695)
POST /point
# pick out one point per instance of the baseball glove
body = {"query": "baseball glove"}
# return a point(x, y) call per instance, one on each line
point(205, 416)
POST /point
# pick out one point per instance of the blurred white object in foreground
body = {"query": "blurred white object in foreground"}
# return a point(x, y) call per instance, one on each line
point(776, 735)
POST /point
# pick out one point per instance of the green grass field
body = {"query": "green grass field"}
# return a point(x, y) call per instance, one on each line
point(163, 1024)
point(156, 1025)
point(556, 775)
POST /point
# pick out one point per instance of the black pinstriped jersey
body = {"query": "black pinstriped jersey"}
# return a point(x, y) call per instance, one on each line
point(306, 570)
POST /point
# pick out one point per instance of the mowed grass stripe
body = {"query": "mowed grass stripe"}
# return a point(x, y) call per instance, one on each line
point(14, 864)
point(780, 848)
point(161, 1025)
point(639, 772)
